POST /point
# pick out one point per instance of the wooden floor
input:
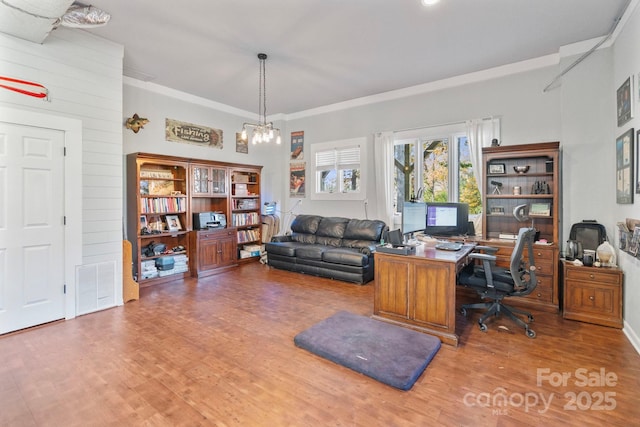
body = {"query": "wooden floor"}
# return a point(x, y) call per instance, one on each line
point(220, 352)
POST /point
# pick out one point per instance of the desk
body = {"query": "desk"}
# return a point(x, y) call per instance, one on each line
point(419, 291)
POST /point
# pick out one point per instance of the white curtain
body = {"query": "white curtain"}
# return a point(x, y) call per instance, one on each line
point(383, 161)
point(480, 133)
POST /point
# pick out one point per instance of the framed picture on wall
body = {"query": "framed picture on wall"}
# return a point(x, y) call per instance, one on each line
point(624, 98)
point(624, 168)
point(638, 162)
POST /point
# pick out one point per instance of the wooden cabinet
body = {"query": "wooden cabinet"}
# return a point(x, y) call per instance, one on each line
point(536, 191)
point(209, 189)
point(163, 194)
point(158, 215)
point(214, 250)
point(592, 295)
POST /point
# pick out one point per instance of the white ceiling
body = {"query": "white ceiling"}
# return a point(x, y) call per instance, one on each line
point(328, 51)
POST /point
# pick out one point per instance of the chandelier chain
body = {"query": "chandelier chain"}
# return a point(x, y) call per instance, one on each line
point(264, 91)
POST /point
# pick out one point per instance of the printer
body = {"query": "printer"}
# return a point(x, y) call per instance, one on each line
point(206, 220)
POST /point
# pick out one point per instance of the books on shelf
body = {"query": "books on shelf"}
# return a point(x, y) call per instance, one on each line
point(249, 218)
point(250, 235)
point(162, 204)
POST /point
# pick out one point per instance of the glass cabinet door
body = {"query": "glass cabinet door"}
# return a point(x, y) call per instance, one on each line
point(201, 180)
point(208, 180)
point(218, 181)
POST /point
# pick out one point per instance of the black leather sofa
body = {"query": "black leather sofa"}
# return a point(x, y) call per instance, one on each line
point(333, 247)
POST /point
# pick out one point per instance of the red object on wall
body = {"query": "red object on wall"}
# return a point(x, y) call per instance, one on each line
point(42, 94)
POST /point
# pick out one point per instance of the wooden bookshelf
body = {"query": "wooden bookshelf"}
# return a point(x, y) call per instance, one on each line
point(163, 194)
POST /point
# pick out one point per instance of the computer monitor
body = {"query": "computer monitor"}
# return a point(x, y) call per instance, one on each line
point(447, 219)
point(413, 217)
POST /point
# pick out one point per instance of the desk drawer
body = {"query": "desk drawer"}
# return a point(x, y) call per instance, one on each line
point(594, 275)
point(544, 290)
point(543, 265)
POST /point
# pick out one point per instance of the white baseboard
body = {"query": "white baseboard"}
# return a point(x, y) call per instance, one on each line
point(632, 336)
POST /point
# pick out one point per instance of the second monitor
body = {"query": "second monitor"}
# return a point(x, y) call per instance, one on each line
point(446, 219)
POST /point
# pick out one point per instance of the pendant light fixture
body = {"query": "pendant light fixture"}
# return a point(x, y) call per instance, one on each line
point(262, 131)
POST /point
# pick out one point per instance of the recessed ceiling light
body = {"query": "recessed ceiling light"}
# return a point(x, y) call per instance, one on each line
point(429, 2)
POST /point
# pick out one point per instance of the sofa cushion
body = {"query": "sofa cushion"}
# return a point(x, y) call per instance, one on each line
point(364, 229)
point(304, 228)
point(363, 234)
point(330, 230)
point(283, 248)
point(311, 251)
point(346, 257)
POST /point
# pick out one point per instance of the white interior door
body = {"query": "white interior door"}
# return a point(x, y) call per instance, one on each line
point(32, 255)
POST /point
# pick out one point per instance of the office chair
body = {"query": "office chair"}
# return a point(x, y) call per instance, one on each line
point(495, 283)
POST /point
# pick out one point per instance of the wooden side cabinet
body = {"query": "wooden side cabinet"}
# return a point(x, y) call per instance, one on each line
point(592, 294)
point(215, 250)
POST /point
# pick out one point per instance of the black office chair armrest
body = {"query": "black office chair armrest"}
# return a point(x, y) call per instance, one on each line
point(476, 255)
point(491, 250)
point(487, 262)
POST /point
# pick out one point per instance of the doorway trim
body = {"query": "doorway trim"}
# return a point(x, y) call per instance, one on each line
point(72, 129)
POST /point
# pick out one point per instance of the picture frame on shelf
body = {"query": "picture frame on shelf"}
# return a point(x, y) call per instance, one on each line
point(143, 223)
point(624, 168)
point(497, 210)
point(540, 209)
point(173, 223)
point(497, 168)
point(624, 104)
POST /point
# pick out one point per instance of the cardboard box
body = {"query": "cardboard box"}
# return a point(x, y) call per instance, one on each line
point(252, 248)
point(246, 254)
point(241, 190)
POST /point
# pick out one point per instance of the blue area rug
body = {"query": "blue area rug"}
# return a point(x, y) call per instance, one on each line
point(393, 355)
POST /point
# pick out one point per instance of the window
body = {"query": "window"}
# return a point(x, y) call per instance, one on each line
point(337, 170)
point(434, 164)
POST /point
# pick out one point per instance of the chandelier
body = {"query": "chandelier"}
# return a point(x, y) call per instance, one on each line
point(262, 131)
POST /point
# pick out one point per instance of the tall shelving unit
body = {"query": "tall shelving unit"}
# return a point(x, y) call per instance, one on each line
point(158, 207)
point(537, 192)
point(245, 208)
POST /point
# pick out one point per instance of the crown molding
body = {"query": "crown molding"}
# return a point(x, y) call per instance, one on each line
point(479, 76)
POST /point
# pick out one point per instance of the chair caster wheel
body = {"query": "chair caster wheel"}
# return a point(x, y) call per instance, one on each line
point(531, 333)
point(483, 327)
point(464, 312)
point(530, 317)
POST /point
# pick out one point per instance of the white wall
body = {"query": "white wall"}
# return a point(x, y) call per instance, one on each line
point(84, 76)
point(626, 62)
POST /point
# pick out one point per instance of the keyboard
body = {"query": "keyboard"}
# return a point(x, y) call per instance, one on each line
point(449, 246)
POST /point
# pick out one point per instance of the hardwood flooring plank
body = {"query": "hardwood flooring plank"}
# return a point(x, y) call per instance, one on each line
point(219, 351)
